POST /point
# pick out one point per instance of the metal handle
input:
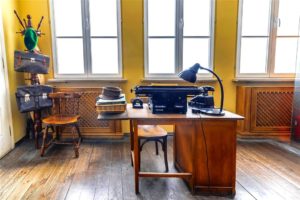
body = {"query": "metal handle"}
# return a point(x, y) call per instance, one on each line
point(181, 23)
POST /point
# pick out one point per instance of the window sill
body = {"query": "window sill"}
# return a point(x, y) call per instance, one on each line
point(74, 80)
point(175, 80)
point(264, 80)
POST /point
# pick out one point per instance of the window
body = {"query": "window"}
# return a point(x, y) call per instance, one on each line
point(86, 38)
point(178, 33)
point(268, 37)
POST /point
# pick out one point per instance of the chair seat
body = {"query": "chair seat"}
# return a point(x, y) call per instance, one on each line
point(61, 119)
point(149, 131)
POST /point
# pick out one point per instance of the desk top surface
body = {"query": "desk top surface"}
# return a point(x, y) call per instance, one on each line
point(145, 113)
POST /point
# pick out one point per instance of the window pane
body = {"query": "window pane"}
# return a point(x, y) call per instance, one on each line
point(196, 50)
point(289, 13)
point(286, 55)
point(253, 55)
point(255, 17)
point(70, 56)
point(196, 17)
point(105, 56)
point(103, 17)
point(161, 17)
point(161, 56)
point(67, 14)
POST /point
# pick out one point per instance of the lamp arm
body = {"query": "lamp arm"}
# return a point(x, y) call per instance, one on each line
point(221, 86)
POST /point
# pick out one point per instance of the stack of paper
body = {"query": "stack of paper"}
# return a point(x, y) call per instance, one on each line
point(121, 100)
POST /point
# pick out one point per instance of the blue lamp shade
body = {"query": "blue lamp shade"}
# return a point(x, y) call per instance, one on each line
point(190, 74)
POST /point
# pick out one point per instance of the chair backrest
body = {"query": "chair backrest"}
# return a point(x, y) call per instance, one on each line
point(66, 103)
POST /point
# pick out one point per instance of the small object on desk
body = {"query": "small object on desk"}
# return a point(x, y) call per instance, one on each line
point(137, 103)
point(203, 100)
point(111, 93)
point(111, 106)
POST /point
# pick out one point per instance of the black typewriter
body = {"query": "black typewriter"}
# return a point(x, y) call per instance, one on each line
point(167, 99)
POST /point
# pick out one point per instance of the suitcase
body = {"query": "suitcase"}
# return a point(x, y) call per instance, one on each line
point(31, 62)
point(34, 97)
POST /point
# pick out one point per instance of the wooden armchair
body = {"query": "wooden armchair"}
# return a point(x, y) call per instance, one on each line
point(65, 113)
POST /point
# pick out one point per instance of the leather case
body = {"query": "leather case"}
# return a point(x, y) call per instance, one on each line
point(31, 62)
point(35, 97)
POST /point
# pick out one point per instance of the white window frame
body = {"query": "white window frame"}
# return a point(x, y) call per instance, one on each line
point(273, 21)
point(179, 22)
point(86, 37)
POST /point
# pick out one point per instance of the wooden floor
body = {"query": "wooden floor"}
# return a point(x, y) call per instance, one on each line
point(103, 171)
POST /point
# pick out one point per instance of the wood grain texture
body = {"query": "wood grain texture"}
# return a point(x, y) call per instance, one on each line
point(186, 154)
point(146, 114)
point(267, 111)
point(104, 171)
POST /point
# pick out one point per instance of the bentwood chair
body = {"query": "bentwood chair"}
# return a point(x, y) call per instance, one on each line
point(65, 113)
point(147, 133)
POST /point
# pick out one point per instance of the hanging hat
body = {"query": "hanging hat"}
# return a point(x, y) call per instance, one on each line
point(30, 39)
point(111, 93)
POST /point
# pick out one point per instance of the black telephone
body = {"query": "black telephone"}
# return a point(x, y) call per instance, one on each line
point(203, 100)
point(137, 103)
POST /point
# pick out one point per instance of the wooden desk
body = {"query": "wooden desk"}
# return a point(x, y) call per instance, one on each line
point(206, 170)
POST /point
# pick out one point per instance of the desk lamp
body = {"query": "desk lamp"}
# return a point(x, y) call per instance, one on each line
point(190, 75)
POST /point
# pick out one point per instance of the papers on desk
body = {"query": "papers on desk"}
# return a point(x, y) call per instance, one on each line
point(121, 100)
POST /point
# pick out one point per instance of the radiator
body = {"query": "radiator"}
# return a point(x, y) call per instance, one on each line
point(89, 125)
point(267, 111)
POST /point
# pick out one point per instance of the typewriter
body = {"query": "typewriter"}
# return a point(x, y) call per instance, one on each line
point(167, 99)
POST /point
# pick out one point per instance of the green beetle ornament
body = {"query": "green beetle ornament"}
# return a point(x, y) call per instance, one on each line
point(30, 34)
point(30, 39)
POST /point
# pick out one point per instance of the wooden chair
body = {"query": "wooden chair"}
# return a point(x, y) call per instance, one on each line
point(147, 133)
point(65, 113)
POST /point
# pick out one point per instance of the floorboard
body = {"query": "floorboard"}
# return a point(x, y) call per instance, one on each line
point(103, 171)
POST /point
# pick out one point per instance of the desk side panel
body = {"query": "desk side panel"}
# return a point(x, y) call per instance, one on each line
point(183, 147)
point(219, 174)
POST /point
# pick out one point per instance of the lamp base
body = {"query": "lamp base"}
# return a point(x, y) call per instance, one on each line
point(208, 111)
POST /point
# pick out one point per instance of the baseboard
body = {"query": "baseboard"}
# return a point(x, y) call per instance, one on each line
point(19, 142)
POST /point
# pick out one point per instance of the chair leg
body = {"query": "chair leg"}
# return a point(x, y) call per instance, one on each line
point(131, 159)
point(43, 147)
point(131, 141)
point(79, 133)
point(75, 143)
point(165, 153)
point(57, 132)
point(156, 147)
point(139, 150)
point(52, 129)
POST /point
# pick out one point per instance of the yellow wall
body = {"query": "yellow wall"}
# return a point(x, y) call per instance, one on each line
point(12, 42)
point(225, 49)
point(37, 9)
point(132, 39)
